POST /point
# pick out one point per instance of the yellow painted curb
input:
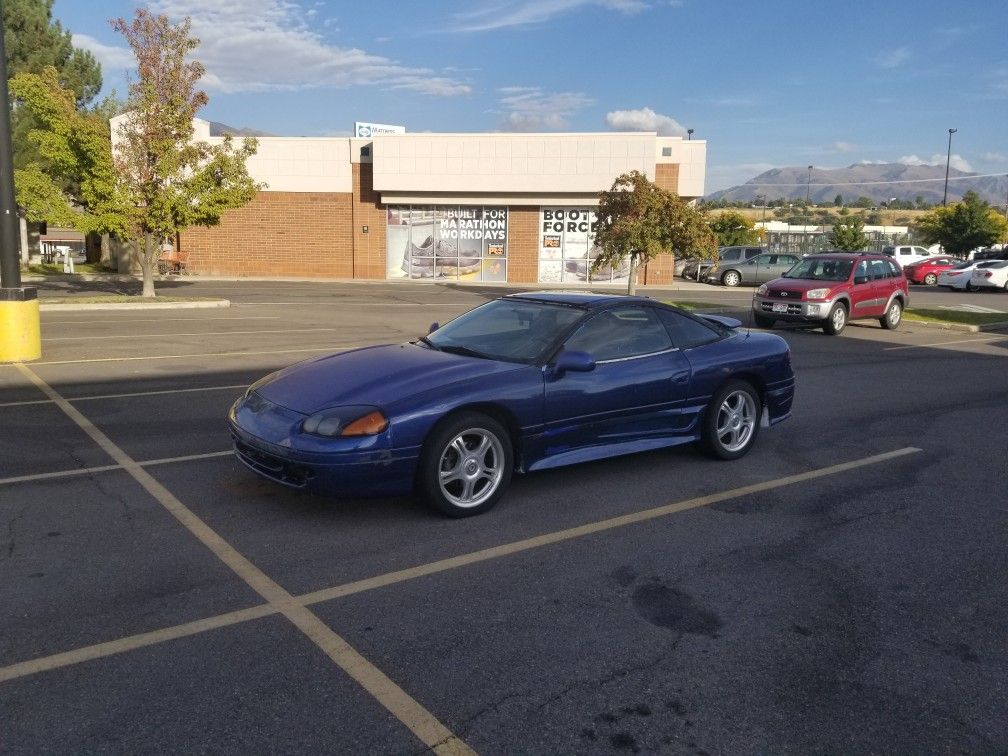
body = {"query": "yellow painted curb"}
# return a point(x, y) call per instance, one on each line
point(20, 335)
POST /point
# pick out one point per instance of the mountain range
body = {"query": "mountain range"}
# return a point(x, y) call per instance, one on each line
point(220, 129)
point(880, 182)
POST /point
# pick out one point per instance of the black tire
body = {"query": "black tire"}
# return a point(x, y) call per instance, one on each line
point(462, 495)
point(893, 317)
point(731, 278)
point(930, 279)
point(969, 286)
point(762, 321)
point(836, 321)
point(719, 421)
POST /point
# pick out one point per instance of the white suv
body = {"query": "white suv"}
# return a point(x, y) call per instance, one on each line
point(905, 254)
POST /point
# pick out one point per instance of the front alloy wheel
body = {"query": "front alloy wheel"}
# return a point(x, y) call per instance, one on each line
point(836, 320)
point(466, 465)
point(930, 279)
point(731, 278)
point(731, 420)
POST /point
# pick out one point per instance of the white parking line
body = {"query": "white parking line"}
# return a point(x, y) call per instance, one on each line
point(107, 468)
point(979, 340)
point(411, 713)
point(331, 348)
point(199, 333)
point(129, 643)
point(234, 387)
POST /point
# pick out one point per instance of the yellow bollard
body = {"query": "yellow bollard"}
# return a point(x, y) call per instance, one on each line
point(20, 334)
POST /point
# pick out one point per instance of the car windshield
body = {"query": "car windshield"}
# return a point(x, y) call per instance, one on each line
point(512, 330)
point(821, 269)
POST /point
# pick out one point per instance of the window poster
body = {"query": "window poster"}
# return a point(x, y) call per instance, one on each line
point(458, 243)
point(567, 247)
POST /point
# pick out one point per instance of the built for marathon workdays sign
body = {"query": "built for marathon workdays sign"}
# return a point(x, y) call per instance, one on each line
point(367, 130)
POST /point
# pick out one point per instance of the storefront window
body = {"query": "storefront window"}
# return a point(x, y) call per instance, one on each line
point(457, 243)
point(567, 248)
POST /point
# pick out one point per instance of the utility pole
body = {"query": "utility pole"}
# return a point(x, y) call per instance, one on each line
point(948, 159)
point(20, 337)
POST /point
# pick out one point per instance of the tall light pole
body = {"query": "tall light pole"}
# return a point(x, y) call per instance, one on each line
point(20, 337)
point(808, 195)
point(689, 134)
point(948, 160)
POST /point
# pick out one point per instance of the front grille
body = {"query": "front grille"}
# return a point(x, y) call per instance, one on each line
point(271, 466)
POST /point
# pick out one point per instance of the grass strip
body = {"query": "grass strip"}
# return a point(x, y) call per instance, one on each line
point(56, 269)
point(955, 316)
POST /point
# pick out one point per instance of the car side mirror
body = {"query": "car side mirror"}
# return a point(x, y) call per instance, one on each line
point(573, 361)
point(433, 327)
point(860, 279)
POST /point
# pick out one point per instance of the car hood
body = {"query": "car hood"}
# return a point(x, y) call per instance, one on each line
point(374, 375)
point(801, 285)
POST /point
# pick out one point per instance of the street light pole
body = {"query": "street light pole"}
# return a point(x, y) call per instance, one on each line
point(689, 134)
point(948, 160)
point(808, 195)
point(20, 337)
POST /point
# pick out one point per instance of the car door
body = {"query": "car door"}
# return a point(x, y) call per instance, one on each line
point(862, 291)
point(633, 395)
point(884, 283)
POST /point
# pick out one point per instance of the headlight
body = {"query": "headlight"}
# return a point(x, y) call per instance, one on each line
point(346, 421)
point(817, 294)
point(762, 289)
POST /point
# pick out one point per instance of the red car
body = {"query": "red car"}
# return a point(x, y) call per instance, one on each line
point(926, 271)
point(829, 289)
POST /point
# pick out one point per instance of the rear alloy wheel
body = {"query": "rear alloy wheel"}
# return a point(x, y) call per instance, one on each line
point(466, 464)
point(930, 279)
point(731, 420)
point(836, 320)
point(731, 278)
point(762, 321)
point(893, 317)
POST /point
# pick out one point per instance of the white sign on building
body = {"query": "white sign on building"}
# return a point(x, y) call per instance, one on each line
point(367, 130)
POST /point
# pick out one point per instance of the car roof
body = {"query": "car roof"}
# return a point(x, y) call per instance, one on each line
point(841, 255)
point(587, 299)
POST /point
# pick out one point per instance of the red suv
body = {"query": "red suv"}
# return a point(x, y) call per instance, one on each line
point(830, 289)
point(926, 271)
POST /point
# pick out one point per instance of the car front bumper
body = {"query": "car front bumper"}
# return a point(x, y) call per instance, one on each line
point(797, 312)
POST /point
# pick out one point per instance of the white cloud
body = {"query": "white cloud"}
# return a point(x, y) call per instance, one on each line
point(955, 161)
point(261, 45)
point(531, 109)
point(524, 13)
point(644, 119)
point(109, 56)
point(893, 58)
point(995, 157)
point(844, 146)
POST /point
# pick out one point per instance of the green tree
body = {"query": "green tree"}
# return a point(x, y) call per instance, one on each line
point(963, 226)
point(75, 183)
point(838, 201)
point(733, 228)
point(638, 221)
point(864, 202)
point(171, 181)
point(849, 235)
point(34, 42)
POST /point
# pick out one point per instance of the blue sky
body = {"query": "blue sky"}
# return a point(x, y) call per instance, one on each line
point(767, 84)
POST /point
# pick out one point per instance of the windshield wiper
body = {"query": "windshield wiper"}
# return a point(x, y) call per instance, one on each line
point(464, 350)
point(428, 342)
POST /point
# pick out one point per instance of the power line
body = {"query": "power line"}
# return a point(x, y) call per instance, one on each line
point(874, 183)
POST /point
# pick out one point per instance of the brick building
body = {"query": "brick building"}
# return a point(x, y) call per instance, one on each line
point(448, 207)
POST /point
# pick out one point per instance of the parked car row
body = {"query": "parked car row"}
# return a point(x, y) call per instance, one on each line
point(993, 276)
point(960, 275)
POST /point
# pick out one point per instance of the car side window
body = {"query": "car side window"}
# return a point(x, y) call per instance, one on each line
point(730, 255)
point(879, 269)
point(893, 273)
point(861, 271)
point(685, 331)
point(620, 333)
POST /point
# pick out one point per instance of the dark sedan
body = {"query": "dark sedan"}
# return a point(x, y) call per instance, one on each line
point(522, 383)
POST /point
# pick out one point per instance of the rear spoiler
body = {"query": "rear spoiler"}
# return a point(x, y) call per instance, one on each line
point(723, 320)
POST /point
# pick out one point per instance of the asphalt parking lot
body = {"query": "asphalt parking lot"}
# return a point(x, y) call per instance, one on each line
point(843, 588)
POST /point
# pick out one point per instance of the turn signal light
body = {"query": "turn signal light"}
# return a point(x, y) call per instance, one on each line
point(369, 425)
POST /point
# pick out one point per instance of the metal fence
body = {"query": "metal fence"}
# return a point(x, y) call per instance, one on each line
point(817, 240)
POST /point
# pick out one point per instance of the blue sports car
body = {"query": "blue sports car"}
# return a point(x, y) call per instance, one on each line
point(525, 382)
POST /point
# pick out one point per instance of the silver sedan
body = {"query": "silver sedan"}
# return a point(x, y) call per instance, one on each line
point(753, 271)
